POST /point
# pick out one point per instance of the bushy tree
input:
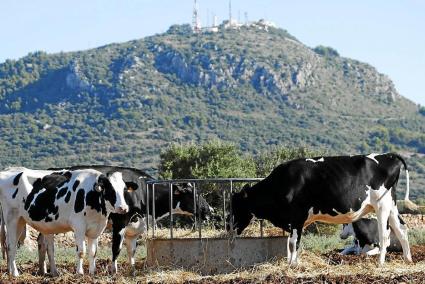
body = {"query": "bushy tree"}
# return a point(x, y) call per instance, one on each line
point(213, 159)
point(267, 161)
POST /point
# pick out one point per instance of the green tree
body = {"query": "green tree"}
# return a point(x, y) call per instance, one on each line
point(267, 161)
point(213, 159)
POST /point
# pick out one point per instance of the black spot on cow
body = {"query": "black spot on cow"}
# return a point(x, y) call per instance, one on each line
point(67, 197)
point(61, 192)
point(85, 213)
point(67, 174)
point(54, 181)
point(16, 192)
point(76, 184)
point(108, 190)
point(16, 179)
point(57, 216)
point(41, 200)
point(79, 201)
point(96, 201)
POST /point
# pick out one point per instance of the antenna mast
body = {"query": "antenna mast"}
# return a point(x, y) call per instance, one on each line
point(196, 22)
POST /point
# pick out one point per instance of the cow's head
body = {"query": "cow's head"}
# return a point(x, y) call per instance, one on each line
point(112, 186)
point(183, 201)
point(347, 230)
point(241, 214)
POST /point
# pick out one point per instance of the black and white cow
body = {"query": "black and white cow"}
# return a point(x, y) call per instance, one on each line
point(366, 237)
point(56, 202)
point(130, 226)
point(328, 189)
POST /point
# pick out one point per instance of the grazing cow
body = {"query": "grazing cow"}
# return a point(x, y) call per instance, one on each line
point(366, 237)
point(130, 226)
point(327, 189)
point(59, 201)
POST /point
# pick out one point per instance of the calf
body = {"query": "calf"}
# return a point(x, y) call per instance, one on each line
point(130, 226)
point(366, 237)
point(338, 190)
point(56, 202)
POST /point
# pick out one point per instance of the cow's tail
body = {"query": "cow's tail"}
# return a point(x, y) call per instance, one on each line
point(406, 196)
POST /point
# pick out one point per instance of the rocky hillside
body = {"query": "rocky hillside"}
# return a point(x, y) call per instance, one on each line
point(256, 86)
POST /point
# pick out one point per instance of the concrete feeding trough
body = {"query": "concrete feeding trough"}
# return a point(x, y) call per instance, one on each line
point(210, 255)
point(214, 255)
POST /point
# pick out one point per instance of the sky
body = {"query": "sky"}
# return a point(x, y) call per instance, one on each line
point(388, 34)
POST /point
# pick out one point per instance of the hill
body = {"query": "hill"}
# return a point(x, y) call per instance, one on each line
point(256, 86)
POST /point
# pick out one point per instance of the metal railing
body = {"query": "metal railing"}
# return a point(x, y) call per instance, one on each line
point(196, 201)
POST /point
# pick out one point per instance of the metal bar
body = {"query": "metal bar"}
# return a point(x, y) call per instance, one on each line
point(211, 180)
point(171, 210)
point(147, 209)
point(199, 216)
point(194, 205)
point(153, 211)
point(224, 207)
point(231, 209)
point(261, 228)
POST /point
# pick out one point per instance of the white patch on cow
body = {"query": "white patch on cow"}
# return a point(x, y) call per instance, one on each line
point(119, 186)
point(36, 195)
point(315, 161)
point(134, 229)
point(292, 254)
point(369, 250)
point(372, 157)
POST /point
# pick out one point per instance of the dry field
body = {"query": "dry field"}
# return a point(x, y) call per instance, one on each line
point(315, 267)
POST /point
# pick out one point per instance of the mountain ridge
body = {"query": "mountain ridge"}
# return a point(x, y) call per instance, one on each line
point(124, 102)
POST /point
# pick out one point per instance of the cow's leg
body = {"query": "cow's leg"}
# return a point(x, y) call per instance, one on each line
point(92, 249)
point(117, 239)
point(131, 244)
point(22, 236)
point(400, 231)
point(81, 250)
point(42, 250)
point(293, 246)
point(13, 229)
point(383, 214)
point(3, 239)
point(50, 244)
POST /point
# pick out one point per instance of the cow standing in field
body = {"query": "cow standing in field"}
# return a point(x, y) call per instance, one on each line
point(366, 237)
point(128, 227)
point(57, 202)
point(328, 189)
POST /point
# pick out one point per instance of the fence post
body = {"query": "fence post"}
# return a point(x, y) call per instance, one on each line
point(171, 210)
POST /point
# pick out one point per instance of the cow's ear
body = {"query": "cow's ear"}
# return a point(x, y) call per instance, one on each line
point(131, 186)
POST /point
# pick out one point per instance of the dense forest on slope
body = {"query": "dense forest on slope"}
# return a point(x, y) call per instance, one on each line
point(255, 86)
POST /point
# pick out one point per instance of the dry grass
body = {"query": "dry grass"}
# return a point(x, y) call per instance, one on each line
point(325, 266)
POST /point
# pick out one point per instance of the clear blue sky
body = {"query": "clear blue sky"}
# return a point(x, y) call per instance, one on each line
point(389, 34)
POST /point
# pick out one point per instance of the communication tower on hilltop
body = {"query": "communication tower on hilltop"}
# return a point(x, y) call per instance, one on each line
point(196, 22)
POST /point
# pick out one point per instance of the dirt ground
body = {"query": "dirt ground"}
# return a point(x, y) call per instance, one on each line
point(330, 268)
point(326, 268)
